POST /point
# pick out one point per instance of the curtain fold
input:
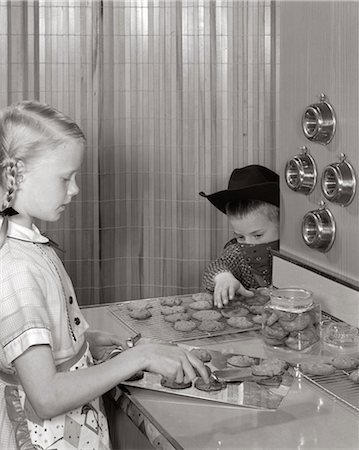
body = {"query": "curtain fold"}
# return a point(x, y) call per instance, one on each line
point(172, 95)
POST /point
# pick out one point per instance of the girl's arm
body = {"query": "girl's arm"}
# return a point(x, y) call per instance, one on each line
point(52, 393)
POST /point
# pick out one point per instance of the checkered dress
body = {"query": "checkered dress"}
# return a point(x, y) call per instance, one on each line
point(250, 264)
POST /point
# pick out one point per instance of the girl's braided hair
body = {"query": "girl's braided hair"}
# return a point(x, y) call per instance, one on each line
point(27, 130)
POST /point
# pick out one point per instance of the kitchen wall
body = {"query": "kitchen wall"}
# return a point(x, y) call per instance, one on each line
point(319, 54)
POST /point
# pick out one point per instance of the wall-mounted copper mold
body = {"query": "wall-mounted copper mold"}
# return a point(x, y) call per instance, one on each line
point(318, 229)
point(339, 182)
point(319, 121)
point(301, 172)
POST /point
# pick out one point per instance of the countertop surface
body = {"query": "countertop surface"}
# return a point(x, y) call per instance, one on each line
point(307, 418)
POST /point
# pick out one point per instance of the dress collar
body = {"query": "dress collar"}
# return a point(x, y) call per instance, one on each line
point(22, 233)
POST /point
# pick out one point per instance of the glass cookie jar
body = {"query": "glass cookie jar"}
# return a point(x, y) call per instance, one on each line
point(291, 319)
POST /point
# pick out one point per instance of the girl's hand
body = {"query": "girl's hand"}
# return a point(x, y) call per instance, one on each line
point(102, 344)
point(226, 287)
point(170, 361)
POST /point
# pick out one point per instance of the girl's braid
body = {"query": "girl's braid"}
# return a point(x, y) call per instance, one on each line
point(11, 186)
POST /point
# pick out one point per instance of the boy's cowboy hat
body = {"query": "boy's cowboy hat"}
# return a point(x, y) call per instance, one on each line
point(252, 182)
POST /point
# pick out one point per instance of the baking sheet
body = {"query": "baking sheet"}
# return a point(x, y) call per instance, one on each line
point(156, 327)
point(247, 394)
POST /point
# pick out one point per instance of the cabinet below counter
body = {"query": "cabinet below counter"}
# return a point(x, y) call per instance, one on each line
point(307, 418)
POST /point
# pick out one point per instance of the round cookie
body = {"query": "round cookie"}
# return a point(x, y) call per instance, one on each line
point(176, 316)
point(317, 368)
point(171, 301)
point(272, 381)
point(301, 322)
point(234, 312)
point(275, 331)
point(207, 315)
point(167, 310)
point(257, 319)
point(202, 354)
point(172, 384)
point(211, 325)
point(344, 363)
point(256, 309)
point(269, 368)
point(213, 385)
point(354, 376)
point(203, 296)
point(140, 313)
point(239, 322)
point(241, 361)
point(185, 325)
point(200, 305)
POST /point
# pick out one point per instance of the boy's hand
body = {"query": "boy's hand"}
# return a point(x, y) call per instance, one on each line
point(226, 287)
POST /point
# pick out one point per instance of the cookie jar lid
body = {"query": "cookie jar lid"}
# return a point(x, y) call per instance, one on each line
point(291, 299)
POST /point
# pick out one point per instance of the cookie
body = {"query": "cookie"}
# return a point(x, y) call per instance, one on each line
point(177, 316)
point(234, 312)
point(272, 381)
point(202, 354)
point(167, 310)
point(344, 363)
point(256, 309)
point(201, 305)
point(257, 319)
point(275, 331)
point(354, 376)
point(172, 384)
point(203, 296)
point(207, 315)
point(239, 322)
point(171, 301)
point(299, 340)
point(213, 385)
point(140, 313)
point(211, 325)
point(317, 368)
point(185, 325)
point(269, 368)
point(299, 323)
point(240, 361)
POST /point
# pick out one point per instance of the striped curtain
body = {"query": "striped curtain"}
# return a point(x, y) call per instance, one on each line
point(172, 95)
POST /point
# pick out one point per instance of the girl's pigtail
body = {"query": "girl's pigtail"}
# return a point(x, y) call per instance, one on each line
point(11, 176)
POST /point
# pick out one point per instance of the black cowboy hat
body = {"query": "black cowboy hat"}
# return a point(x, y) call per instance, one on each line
point(252, 182)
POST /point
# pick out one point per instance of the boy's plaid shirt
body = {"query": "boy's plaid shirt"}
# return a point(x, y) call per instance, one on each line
point(250, 264)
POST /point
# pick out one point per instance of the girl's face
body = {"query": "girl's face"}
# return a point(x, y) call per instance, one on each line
point(254, 228)
point(49, 184)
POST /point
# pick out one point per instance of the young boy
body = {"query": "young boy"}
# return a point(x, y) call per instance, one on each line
point(251, 203)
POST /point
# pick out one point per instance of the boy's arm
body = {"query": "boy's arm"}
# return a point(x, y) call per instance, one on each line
point(228, 261)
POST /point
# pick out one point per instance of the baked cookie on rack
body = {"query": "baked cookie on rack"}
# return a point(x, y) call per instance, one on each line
point(207, 315)
point(211, 325)
point(185, 325)
point(239, 322)
point(317, 368)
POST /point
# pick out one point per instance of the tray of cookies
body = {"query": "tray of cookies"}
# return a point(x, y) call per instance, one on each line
point(186, 317)
point(235, 379)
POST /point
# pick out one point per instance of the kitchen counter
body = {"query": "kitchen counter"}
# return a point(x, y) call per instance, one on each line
point(307, 418)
